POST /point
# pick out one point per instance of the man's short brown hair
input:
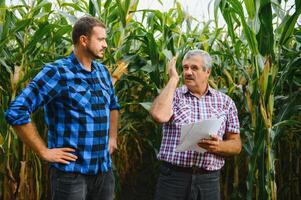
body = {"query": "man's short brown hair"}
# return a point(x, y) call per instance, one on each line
point(84, 26)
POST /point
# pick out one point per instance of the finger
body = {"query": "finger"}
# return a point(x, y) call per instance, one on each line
point(68, 158)
point(112, 149)
point(63, 161)
point(67, 149)
point(214, 137)
point(170, 66)
point(172, 61)
point(70, 155)
point(200, 145)
point(205, 146)
point(206, 142)
point(174, 58)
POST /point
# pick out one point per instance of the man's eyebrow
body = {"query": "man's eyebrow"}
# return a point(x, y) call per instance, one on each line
point(191, 65)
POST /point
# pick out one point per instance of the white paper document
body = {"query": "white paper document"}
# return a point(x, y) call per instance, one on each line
point(192, 133)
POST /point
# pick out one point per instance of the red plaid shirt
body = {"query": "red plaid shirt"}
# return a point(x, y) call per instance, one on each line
point(187, 109)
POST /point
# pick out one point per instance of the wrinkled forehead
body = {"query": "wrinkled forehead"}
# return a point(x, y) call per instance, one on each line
point(195, 60)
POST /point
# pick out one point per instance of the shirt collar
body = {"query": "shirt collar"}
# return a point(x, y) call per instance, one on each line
point(209, 91)
point(78, 64)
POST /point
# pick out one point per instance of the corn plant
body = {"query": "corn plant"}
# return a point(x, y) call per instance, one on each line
point(257, 59)
point(266, 43)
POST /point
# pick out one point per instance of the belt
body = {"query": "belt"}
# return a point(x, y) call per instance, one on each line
point(190, 170)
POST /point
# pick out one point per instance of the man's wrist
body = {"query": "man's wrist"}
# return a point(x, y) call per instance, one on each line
point(174, 81)
point(42, 153)
point(175, 78)
point(113, 137)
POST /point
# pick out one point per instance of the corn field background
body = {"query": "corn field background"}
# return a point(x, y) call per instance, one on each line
point(257, 62)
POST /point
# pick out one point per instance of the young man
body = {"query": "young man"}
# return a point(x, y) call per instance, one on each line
point(191, 175)
point(81, 112)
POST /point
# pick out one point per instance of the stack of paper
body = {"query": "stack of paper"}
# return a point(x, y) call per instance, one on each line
point(191, 134)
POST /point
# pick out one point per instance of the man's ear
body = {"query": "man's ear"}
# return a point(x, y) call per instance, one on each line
point(209, 71)
point(83, 40)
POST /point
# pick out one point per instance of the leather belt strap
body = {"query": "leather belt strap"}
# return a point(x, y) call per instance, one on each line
point(191, 170)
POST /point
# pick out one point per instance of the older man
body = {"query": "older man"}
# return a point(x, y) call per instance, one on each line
point(189, 174)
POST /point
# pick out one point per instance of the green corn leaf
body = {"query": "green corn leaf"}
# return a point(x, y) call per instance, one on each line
point(289, 27)
point(250, 6)
point(146, 105)
point(92, 9)
point(265, 36)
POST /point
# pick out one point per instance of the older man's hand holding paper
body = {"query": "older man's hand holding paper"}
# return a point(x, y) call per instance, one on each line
point(192, 134)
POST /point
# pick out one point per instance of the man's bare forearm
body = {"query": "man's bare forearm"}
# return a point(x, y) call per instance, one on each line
point(113, 131)
point(29, 135)
point(113, 123)
point(161, 109)
point(230, 147)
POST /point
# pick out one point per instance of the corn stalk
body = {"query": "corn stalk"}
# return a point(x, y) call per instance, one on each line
point(258, 30)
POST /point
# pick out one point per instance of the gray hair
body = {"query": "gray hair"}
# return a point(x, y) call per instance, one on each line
point(197, 52)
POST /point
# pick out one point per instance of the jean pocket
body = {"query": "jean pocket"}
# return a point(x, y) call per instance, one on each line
point(62, 176)
point(68, 175)
point(212, 177)
point(165, 170)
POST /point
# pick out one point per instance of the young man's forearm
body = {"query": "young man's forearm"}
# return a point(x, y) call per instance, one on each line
point(29, 135)
point(113, 131)
point(113, 124)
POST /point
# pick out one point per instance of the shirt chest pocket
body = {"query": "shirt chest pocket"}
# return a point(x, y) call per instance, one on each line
point(217, 113)
point(182, 114)
point(103, 92)
point(80, 95)
point(105, 95)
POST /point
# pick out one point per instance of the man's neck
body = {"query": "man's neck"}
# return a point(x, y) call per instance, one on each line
point(201, 91)
point(84, 59)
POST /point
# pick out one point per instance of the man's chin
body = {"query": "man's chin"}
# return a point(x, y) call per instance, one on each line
point(99, 56)
point(188, 82)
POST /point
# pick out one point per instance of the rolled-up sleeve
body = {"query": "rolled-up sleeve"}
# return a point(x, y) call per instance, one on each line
point(114, 105)
point(232, 124)
point(41, 90)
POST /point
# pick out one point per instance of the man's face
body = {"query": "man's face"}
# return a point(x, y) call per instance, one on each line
point(97, 42)
point(195, 77)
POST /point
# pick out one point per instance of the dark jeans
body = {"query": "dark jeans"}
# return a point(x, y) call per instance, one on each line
point(177, 184)
point(76, 186)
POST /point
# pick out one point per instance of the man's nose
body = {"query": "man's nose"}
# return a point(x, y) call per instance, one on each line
point(105, 45)
point(188, 71)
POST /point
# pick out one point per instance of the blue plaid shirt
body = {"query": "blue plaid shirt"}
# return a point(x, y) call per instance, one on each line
point(77, 106)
